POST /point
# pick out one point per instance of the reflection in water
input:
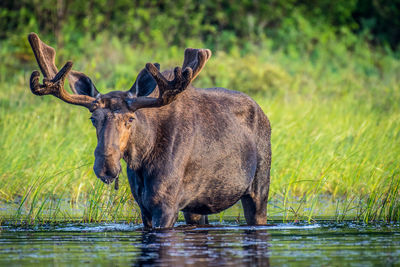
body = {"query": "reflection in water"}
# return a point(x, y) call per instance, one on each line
point(256, 245)
point(206, 247)
point(327, 243)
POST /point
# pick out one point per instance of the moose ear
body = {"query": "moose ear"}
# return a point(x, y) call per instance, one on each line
point(144, 84)
point(81, 84)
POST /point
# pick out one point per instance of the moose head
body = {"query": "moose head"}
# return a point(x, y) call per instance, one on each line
point(113, 114)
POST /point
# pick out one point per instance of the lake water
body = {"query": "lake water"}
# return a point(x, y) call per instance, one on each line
point(318, 244)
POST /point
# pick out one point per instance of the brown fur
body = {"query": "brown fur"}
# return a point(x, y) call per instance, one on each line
point(189, 149)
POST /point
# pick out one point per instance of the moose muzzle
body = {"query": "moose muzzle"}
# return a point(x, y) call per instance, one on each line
point(107, 167)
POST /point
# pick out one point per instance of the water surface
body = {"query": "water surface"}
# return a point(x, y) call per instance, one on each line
point(322, 243)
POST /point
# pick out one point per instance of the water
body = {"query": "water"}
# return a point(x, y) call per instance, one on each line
point(323, 243)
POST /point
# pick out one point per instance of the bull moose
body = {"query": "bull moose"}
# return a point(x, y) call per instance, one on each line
point(187, 149)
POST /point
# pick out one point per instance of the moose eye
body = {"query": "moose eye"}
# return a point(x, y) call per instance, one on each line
point(130, 119)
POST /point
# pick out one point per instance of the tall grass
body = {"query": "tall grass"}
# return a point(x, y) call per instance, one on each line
point(334, 114)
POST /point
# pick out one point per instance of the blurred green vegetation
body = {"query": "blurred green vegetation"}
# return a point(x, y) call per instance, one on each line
point(327, 75)
point(222, 24)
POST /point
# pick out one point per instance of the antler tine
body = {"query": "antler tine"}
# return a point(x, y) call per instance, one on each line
point(44, 54)
point(196, 59)
point(53, 82)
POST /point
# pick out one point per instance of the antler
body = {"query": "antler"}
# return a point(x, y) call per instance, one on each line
point(193, 63)
point(168, 90)
point(53, 81)
point(196, 59)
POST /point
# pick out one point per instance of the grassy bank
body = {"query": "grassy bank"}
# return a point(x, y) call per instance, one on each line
point(334, 113)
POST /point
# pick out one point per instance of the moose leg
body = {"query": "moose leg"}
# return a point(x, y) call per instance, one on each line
point(255, 201)
point(197, 219)
point(136, 184)
point(255, 211)
point(146, 218)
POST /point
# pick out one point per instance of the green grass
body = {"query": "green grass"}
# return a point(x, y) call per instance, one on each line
point(335, 131)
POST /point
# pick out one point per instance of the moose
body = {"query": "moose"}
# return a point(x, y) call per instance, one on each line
point(187, 149)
